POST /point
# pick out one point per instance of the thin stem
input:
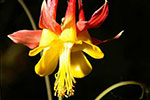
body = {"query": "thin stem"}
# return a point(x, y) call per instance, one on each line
point(60, 98)
point(28, 14)
point(101, 95)
point(47, 81)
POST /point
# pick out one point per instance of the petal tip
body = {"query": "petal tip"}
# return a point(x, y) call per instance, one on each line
point(11, 36)
point(30, 53)
point(38, 72)
point(100, 55)
point(118, 35)
point(43, 4)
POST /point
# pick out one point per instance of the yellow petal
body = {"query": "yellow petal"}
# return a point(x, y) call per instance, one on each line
point(48, 61)
point(84, 36)
point(69, 34)
point(36, 50)
point(80, 66)
point(47, 37)
point(93, 50)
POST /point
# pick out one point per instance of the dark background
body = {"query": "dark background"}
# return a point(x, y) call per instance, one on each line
point(126, 58)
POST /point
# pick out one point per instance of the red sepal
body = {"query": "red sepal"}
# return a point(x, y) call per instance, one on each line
point(81, 11)
point(96, 20)
point(97, 41)
point(70, 13)
point(27, 37)
point(48, 16)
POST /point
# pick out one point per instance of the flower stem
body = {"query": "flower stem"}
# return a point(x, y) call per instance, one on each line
point(47, 81)
point(101, 95)
point(60, 98)
point(28, 14)
point(34, 27)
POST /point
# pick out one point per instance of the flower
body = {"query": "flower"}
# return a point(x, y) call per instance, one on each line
point(65, 43)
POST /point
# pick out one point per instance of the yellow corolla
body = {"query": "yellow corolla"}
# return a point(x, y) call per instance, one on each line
point(72, 62)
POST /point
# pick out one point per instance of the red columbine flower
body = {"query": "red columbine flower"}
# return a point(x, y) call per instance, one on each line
point(65, 43)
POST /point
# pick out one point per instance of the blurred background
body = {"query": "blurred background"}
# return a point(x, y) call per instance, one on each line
point(127, 58)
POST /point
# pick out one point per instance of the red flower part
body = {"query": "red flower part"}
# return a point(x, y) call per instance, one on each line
point(81, 12)
point(52, 8)
point(97, 41)
point(70, 14)
point(96, 20)
point(29, 38)
point(48, 16)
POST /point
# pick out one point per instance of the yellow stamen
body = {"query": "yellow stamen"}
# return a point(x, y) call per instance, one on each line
point(64, 80)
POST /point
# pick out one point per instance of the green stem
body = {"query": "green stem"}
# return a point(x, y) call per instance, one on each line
point(47, 81)
point(101, 95)
point(60, 98)
point(28, 14)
